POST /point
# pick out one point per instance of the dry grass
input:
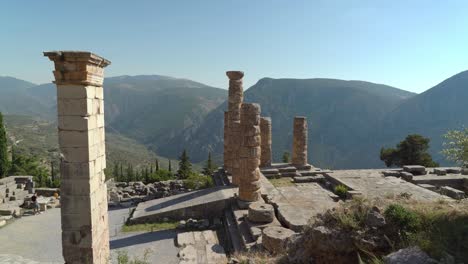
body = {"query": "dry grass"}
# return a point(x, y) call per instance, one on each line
point(257, 257)
point(282, 182)
point(150, 227)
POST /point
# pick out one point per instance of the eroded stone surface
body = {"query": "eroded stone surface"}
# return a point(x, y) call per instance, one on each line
point(265, 128)
point(261, 213)
point(299, 154)
point(275, 238)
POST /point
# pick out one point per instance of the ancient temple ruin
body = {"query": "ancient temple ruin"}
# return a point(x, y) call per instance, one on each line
point(80, 103)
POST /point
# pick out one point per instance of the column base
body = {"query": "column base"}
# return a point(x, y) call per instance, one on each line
point(243, 204)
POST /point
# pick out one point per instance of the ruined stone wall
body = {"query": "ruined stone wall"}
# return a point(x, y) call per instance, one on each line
point(85, 230)
point(249, 186)
point(299, 154)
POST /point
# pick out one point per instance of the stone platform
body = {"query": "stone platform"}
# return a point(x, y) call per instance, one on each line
point(200, 247)
point(205, 203)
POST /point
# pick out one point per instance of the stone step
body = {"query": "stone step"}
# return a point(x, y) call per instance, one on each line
point(303, 167)
point(290, 174)
point(233, 232)
point(304, 179)
point(273, 176)
point(9, 209)
point(243, 227)
point(287, 169)
point(313, 173)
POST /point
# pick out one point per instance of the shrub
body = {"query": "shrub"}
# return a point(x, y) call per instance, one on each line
point(341, 191)
point(197, 181)
point(160, 175)
point(403, 219)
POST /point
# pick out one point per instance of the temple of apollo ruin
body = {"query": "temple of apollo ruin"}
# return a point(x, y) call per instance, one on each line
point(251, 211)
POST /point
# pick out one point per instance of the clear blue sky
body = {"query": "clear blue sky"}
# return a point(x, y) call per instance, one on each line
point(411, 45)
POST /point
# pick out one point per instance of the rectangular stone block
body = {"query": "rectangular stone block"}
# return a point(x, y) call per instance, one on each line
point(77, 123)
point(79, 154)
point(100, 120)
point(77, 170)
point(99, 93)
point(73, 204)
point(74, 221)
point(75, 92)
point(69, 138)
point(75, 107)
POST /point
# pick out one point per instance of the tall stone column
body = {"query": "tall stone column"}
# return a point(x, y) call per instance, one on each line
point(249, 185)
point(265, 130)
point(299, 154)
point(235, 99)
point(226, 141)
point(80, 101)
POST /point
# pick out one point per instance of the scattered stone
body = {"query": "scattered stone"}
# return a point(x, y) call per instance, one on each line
point(452, 192)
point(407, 176)
point(415, 169)
point(275, 238)
point(464, 171)
point(2, 223)
point(375, 219)
point(413, 255)
point(440, 171)
point(304, 179)
point(454, 170)
point(428, 186)
point(261, 213)
point(393, 173)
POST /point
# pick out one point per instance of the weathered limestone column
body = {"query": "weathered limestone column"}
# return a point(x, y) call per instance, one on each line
point(265, 130)
point(249, 185)
point(299, 153)
point(80, 101)
point(235, 99)
point(226, 140)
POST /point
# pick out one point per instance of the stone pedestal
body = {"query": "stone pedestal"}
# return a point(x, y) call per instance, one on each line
point(235, 99)
point(85, 231)
point(265, 130)
point(249, 186)
point(299, 153)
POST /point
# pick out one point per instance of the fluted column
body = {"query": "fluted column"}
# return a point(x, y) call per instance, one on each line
point(265, 130)
point(226, 140)
point(235, 99)
point(80, 103)
point(249, 185)
point(299, 154)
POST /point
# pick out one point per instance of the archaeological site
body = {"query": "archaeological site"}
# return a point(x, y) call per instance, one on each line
point(257, 210)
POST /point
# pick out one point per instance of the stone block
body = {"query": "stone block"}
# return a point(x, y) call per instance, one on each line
point(76, 92)
point(407, 176)
point(452, 192)
point(69, 138)
point(80, 154)
point(440, 171)
point(77, 170)
point(261, 213)
point(75, 107)
point(275, 239)
point(77, 123)
point(415, 169)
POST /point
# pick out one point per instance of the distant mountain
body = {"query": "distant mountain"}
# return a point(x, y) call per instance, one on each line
point(148, 108)
point(15, 98)
point(342, 116)
point(430, 114)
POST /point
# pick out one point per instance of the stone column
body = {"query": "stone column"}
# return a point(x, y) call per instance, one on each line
point(299, 153)
point(249, 185)
point(235, 99)
point(226, 141)
point(265, 130)
point(80, 101)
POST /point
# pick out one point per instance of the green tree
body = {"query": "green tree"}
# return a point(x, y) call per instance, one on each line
point(29, 165)
point(185, 167)
point(411, 151)
point(130, 173)
point(456, 146)
point(157, 164)
point(4, 164)
point(209, 168)
point(115, 172)
point(169, 167)
point(286, 157)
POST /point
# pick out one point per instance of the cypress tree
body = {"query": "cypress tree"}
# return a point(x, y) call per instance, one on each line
point(209, 168)
point(157, 165)
point(170, 167)
point(185, 167)
point(151, 169)
point(3, 149)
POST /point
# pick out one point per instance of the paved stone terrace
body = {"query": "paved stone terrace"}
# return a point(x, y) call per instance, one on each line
point(372, 184)
point(196, 204)
point(37, 240)
point(297, 204)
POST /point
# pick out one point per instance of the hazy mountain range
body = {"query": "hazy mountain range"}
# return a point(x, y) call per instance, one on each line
point(349, 121)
